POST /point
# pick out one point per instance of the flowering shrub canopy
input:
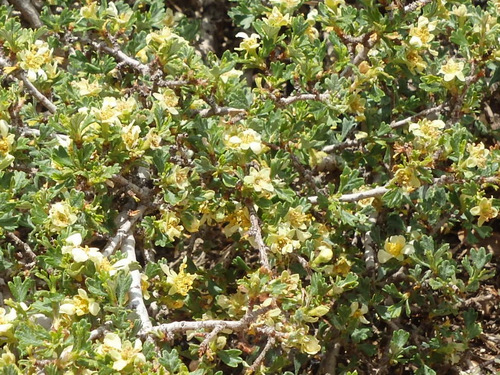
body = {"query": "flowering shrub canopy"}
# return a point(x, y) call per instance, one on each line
point(319, 195)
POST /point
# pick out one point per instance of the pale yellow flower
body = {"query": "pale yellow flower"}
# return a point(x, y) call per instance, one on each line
point(247, 139)
point(180, 283)
point(421, 35)
point(33, 60)
point(6, 142)
point(325, 255)
point(89, 11)
point(484, 210)
point(407, 178)
point(477, 155)
point(259, 180)
point(395, 247)
point(230, 74)
point(287, 4)
point(249, 43)
point(277, 19)
point(130, 136)
point(6, 322)
point(358, 311)
point(167, 100)
point(460, 11)
point(169, 225)
point(123, 353)
point(453, 69)
point(178, 177)
point(281, 241)
point(415, 61)
point(87, 88)
point(81, 254)
point(61, 216)
point(309, 344)
point(80, 304)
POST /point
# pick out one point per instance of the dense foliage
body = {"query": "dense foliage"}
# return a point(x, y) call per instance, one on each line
point(317, 198)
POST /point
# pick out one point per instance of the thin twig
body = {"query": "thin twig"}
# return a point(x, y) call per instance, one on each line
point(415, 5)
point(220, 111)
point(100, 331)
point(27, 249)
point(300, 97)
point(169, 329)
point(135, 293)
point(367, 240)
point(122, 232)
point(209, 338)
point(142, 193)
point(19, 74)
point(28, 12)
point(406, 121)
point(255, 365)
point(256, 233)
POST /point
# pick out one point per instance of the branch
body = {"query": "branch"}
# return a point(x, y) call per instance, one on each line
point(295, 98)
point(204, 345)
point(135, 293)
point(367, 240)
point(19, 74)
point(142, 193)
point(270, 343)
point(99, 331)
point(28, 12)
point(415, 5)
point(122, 232)
point(27, 249)
point(400, 123)
point(256, 233)
point(220, 111)
point(183, 326)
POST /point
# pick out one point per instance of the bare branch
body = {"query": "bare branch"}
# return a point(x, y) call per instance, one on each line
point(23, 245)
point(406, 121)
point(415, 5)
point(220, 111)
point(19, 74)
point(183, 326)
point(256, 233)
point(330, 149)
point(135, 293)
point(142, 193)
point(270, 343)
point(295, 98)
point(210, 337)
point(367, 240)
point(28, 12)
point(100, 331)
point(122, 232)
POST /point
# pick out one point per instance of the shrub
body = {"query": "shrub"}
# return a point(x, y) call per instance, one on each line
point(316, 197)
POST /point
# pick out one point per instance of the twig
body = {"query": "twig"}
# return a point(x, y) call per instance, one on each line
point(270, 343)
point(329, 362)
point(368, 41)
point(135, 293)
point(256, 233)
point(27, 249)
point(19, 74)
point(122, 232)
point(183, 326)
point(400, 123)
point(295, 98)
point(208, 338)
point(28, 12)
point(330, 149)
point(220, 111)
point(142, 193)
point(367, 240)
point(415, 5)
point(99, 331)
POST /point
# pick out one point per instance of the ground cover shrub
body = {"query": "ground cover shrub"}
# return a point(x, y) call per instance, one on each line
point(314, 193)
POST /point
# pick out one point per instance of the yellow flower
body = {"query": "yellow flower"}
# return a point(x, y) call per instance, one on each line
point(259, 180)
point(178, 177)
point(238, 221)
point(477, 155)
point(167, 100)
point(460, 11)
point(122, 353)
point(130, 136)
point(6, 325)
point(415, 62)
point(249, 43)
point(421, 35)
point(453, 69)
point(426, 132)
point(247, 139)
point(286, 4)
point(6, 142)
point(7, 358)
point(61, 216)
point(282, 241)
point(180, 283)
point(81, 254)
point(342, 266)
point(358, 312)
point(80, 305)
point(309, 344)
point(169, 225)
point(277, 19)
point(32, 60)
point(89, 10)
point(324, 256)
point(407, 178)
point(233, 73)
point(86, 88)
point(395, 247)
point(484, 210)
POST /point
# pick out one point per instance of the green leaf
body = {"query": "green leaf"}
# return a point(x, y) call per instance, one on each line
point(20, 289)
point(425, 370)
point(230, 357)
